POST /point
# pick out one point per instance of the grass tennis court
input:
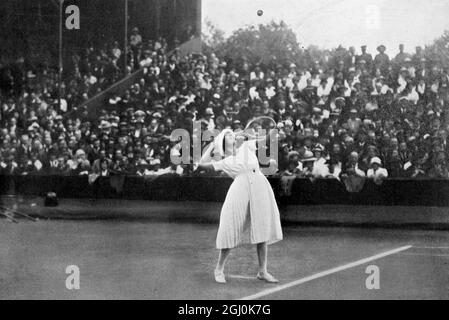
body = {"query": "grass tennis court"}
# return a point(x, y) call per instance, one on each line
point(161, 260)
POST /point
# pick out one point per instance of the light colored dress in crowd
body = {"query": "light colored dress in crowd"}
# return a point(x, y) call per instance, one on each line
point(379, 173)
point(249, 213)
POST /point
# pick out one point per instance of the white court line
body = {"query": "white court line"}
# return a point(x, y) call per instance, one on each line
point(431, 247)
point(324, 273)
point(425, 254)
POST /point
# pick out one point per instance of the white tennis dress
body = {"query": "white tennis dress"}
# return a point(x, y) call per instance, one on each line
point(249, 213)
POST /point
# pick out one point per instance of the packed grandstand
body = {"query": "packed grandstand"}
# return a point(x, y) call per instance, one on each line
point(350, 113)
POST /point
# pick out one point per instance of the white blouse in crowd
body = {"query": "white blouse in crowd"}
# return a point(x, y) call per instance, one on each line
point(358, 171)
point(413, 96)
point(253, 93)
point(253, 75)
point(379, 173)
point(324, 91)
point(320, 169)
point(270, 92)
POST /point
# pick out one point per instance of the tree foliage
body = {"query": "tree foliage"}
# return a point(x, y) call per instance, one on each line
point(276, 42)
point(212, 36)
point(438, 52)
point(259, 44)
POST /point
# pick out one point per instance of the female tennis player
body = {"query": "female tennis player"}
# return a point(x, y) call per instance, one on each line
point(249, 213)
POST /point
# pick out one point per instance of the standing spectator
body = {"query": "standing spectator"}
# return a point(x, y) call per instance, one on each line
point(382, 61)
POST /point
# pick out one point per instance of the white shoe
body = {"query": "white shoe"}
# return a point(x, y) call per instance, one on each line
point(219, 276)
point(267, 277)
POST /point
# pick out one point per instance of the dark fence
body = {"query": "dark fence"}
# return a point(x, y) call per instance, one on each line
point(197, 188)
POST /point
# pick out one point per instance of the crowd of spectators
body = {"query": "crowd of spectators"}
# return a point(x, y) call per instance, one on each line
point(347, 115)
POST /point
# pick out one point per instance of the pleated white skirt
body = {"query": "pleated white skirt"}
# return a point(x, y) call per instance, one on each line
point(249, 213)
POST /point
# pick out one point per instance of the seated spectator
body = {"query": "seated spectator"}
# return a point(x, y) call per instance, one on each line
point(334, 170)
point(294, 167)
point(344, 103)
point(79, 165)
point(10, 167)
point(104, 168)
point(376, 172)
point(308, 162)
point(352, 166)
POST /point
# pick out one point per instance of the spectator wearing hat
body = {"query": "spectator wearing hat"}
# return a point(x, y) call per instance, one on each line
point(139, 130)
point(418, 55)
point(376, 172)
point(401, 56)
point(317, 117)
point(79, 165)
point(308, 162)
point(320, 168)
point(318, 151)
point(294, 166)
point(354, 123)
point(135, 39)
point(209, 118)
point(352, 166)
point(382, 61)
point(365, 58)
